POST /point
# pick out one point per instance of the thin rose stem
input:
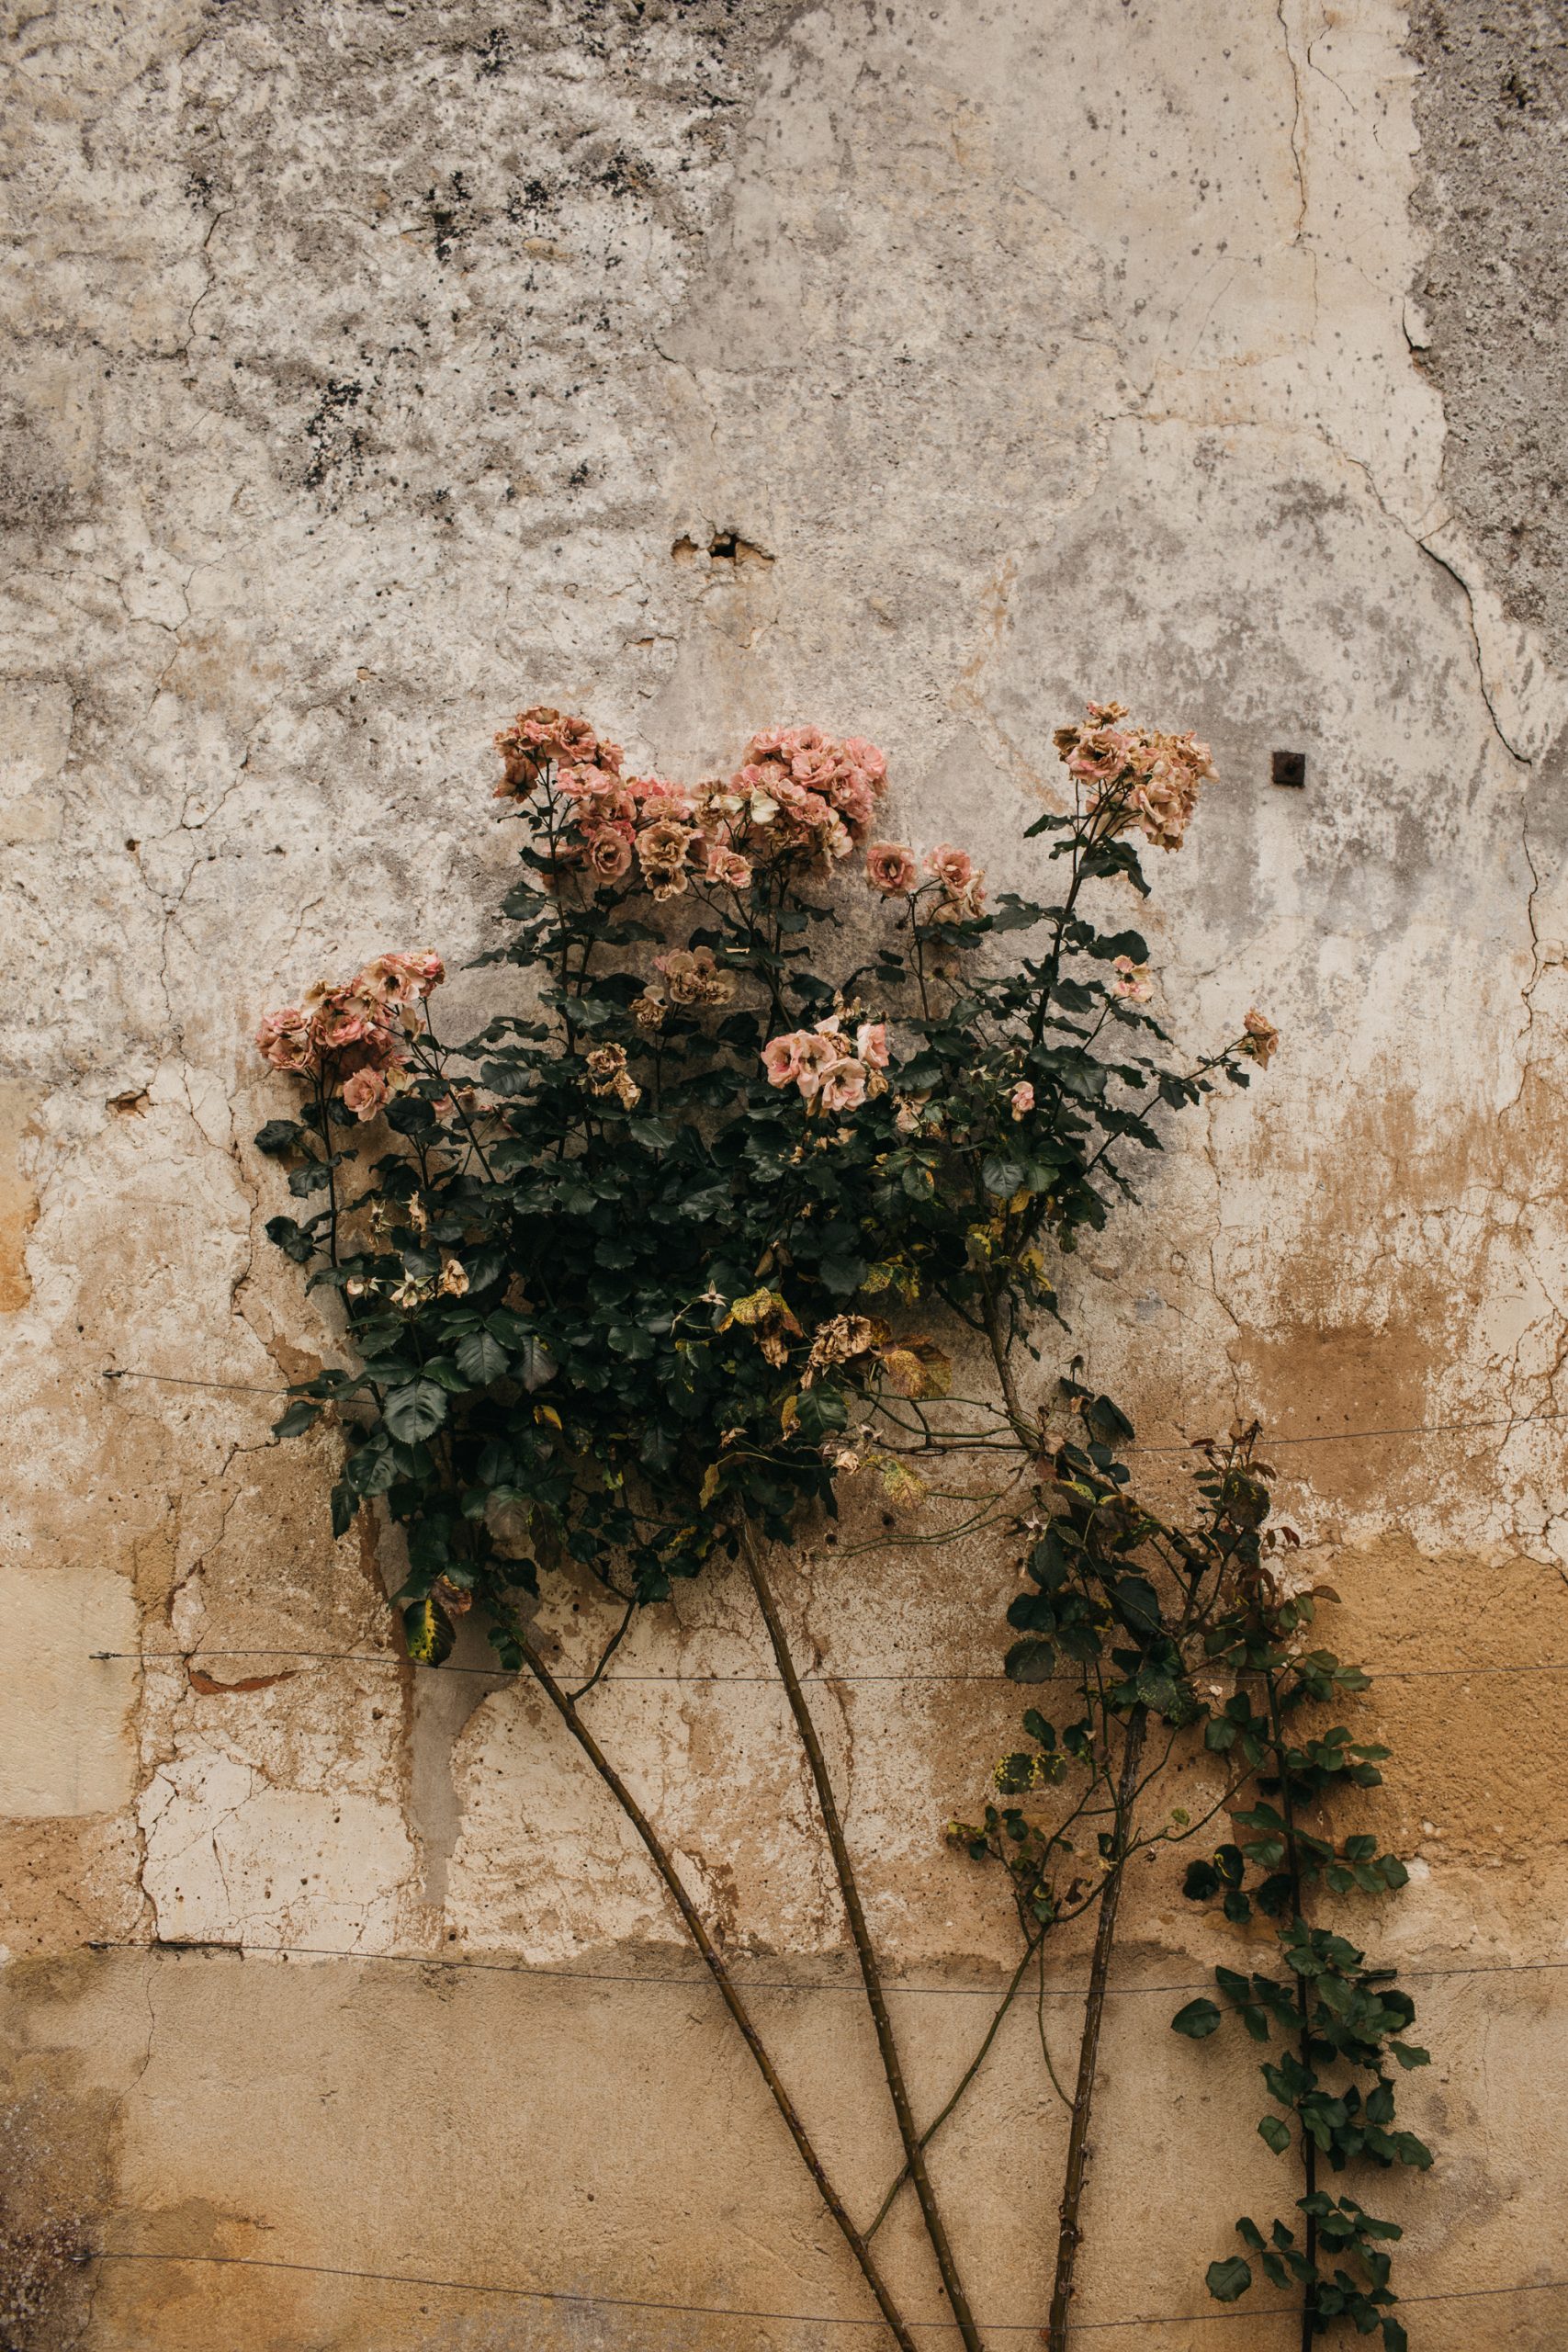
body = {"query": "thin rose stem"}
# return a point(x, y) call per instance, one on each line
point(934, 2126)
point(1070, 2231)
point(859, 1934)
point(720, 1975)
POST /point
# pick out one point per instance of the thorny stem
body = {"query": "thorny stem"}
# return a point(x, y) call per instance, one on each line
point(720, 1975)
point(332, 1172)
point(1071, 2228)
point(871, 1975)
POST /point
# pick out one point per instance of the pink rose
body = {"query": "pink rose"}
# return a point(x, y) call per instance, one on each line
point(726, 865)
point(586, 783)
point(399, 979)
point(1022, 1098)
point(871, 1044)
point(962, 906)
point(341, 1021)
point(1100, 754)
point(284, 1039)
point(815, 1056)
point(365, 1092)
point(843, 1086)
point(890, 868)
point(540, 737)
point(609, 854)
point(781, 1059)
point(1132, 981)
point(953, 867)
point(865, 757)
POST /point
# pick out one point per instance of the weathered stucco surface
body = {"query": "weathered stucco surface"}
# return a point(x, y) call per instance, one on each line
point(371, 369)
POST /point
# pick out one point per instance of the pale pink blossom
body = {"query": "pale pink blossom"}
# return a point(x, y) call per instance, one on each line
point(842, 1085)
point(1022, 1099)
point(962, 906)
point(869, 762)
point(609, 854)
point(340, 1019)
point(871, 1044)
point(891, 868)
point(816, 1056)
point(955, 868)
point(726, 865)
point(1132, 981)
point(543, 738)
point(587, 785)
point(365, 1092)
point(399, 978)
point(663, 851)
point(284, 1039)
point(781, 1059)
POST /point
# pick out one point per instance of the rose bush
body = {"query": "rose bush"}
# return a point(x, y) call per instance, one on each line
point(586, 1279)
point(773, 1120)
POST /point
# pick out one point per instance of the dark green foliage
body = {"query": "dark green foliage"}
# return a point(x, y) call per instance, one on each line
point(610, 1291)
point(1334, 2029)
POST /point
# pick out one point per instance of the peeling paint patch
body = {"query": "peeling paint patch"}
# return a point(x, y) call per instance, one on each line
point(18, 1201)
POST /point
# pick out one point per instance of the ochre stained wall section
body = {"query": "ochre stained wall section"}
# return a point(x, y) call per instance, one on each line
point(370, 370)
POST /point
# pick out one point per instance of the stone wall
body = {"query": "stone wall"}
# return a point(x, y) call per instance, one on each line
point(373, 369)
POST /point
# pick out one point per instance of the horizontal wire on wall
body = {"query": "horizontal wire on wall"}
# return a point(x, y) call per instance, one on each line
point(1510, 1422)
point(505, 1674)
point(204, 1950)
point(788, 2319)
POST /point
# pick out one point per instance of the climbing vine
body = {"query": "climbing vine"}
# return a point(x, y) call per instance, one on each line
point(1335, 2028)
point(1145, 1621)
point(748, 1187)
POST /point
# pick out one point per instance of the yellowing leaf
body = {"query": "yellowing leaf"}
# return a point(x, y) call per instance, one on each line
point(905, 1371)
point(934, 1368)
point(900, 1483)
point(789, 1411)
point(547, 1413)
point(710, 1485)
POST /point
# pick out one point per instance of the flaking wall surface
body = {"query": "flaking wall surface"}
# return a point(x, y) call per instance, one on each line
point(373, 369)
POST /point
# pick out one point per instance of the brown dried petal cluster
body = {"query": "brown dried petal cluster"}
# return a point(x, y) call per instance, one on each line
point(1136, 775)
point(353, 1036)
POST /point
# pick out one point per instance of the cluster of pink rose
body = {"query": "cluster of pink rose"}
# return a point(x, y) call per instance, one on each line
point(355, 1035)
point(892, 868)
point(834, 1071)
point(795, 792)
point(1138, 776)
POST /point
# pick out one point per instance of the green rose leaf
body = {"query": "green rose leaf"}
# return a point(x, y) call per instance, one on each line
point(1002, 1177)
point(1229, 2281)
point(415, 1412)
point(481, 1359)
point(1198, 2021)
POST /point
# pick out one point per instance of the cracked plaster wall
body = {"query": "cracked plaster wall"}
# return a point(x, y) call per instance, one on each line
point(374, 369)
